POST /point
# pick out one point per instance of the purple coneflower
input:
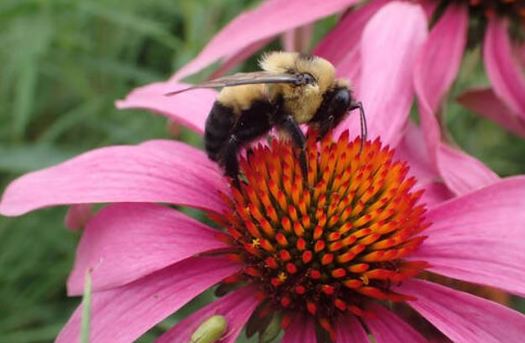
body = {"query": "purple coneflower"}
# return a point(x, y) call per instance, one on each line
point(332, 254)
point(352, 249)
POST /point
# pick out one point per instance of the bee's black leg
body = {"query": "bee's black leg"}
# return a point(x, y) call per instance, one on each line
point(229, 158)
point(290, 126)
point(362, 119)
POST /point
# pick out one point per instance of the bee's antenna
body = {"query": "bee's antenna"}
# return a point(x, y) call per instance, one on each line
point(362, 120)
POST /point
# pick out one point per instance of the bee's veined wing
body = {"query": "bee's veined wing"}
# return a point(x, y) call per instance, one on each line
point(248, 79)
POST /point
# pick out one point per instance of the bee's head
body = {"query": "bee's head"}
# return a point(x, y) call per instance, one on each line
point(318, 74)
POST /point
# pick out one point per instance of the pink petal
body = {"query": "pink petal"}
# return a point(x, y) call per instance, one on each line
point(123, 314)
point(350, 330)
point(436, 68)
point(236, 307)
point(272, 17)
point(301, 330)
point(413, 149)
point(435, 193)
point(349, 68)
point(461, 172)
point(479, 237)
point(386, 327)
point(388, 50)
point(486, 103)
point(342, 45)
point(346, 36)
point(77, 216)
point(348, 57)
point(503, 70)
point(125, 242)
point(298, 39)
point(155, 171)
point(189, 108)
point(237, 57)
point(435, 71)
point(464, 317)
point(438, 63)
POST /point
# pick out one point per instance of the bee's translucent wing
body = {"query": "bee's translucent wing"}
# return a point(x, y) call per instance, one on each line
point(249, 79)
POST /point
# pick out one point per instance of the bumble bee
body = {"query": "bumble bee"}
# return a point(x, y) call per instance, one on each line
point(291, 89)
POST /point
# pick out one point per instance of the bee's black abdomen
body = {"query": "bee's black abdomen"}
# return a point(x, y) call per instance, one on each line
point(219, 125)
point(226, 132)
point(255, 121)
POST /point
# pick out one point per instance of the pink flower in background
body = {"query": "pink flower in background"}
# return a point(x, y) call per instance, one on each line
point(438, 65)
point(321, 271)
point(504, 102)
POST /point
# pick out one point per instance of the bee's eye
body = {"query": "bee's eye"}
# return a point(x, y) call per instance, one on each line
point(308, 79)
point(304, 79)
point(341, 99)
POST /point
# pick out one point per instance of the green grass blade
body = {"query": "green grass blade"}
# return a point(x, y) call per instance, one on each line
point(86, 309)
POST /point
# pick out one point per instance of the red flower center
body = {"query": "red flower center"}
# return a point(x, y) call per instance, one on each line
point(330, 242)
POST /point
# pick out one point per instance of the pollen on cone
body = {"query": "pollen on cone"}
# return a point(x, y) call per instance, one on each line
point(329, 243)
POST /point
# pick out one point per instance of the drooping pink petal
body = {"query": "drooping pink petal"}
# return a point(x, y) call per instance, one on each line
point(77, 216)
point(386, 327)
point(461, 172)
point(269, 19)
point(435, 193)
point(125, 242)
point(349, 330)
point(236, 307)
point(346, 36)
point(413, 150)
point(436, 68)
point(435, 71)
point(486, 103)
point(463, 317)
point(479, 237)
point(504, 72)
point(237, 57)
point(123, 314)
point(438, 63)
point(388, 50)
point(301, 330)
point(188, 108)
point(155, 171)
point(298, 39)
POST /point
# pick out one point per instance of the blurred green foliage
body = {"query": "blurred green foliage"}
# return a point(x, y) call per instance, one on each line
point(63, 63)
